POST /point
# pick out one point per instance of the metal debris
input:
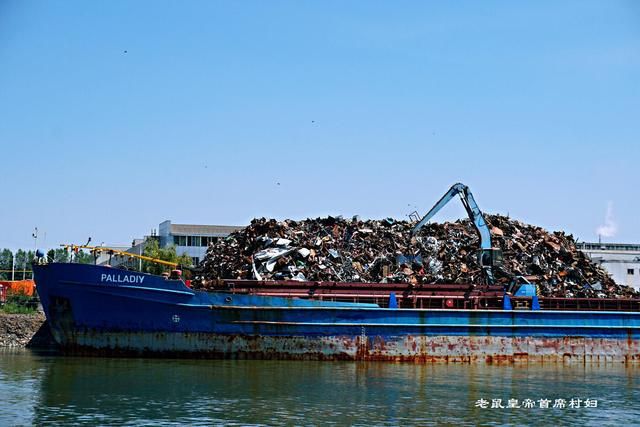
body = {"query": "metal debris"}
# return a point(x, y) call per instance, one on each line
point(383, 251)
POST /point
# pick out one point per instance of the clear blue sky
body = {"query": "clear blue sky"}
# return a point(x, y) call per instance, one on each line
point(115, 116)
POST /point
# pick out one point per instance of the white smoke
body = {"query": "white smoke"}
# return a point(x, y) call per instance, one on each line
point(609, 228)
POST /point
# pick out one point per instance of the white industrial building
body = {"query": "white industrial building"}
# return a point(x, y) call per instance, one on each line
point(192, 239)
point(621, 260)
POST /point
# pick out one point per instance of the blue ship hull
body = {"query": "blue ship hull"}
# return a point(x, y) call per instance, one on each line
point(102, 310)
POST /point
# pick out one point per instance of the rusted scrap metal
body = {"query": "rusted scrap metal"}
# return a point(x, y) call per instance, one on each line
point(334, 249)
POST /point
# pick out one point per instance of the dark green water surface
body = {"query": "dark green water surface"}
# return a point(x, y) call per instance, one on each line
point(47, 389)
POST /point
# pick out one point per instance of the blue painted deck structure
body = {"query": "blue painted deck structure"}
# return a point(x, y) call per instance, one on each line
point(102, 310)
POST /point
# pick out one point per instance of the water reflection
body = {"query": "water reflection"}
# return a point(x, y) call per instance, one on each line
point(51, 389)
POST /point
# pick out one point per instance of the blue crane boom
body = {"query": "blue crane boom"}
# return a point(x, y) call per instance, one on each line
point(470, 206)
point(488, 257)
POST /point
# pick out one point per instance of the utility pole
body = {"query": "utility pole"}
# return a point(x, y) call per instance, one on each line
point(13, 267)
point(35, 240)
point(35, 249)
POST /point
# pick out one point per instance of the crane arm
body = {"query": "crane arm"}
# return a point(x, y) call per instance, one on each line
point(453, 191)
point(470, 205)
point(487, 256)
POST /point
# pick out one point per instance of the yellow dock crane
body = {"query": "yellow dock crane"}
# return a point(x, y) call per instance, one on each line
point(95, 250)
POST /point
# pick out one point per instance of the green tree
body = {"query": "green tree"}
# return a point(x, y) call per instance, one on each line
point(23, 264)
point(83, 257)
point(152, 249)
point(185, 260)
point(60, 255)
point(6, 261)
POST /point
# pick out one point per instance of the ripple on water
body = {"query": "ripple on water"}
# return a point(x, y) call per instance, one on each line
point(47, 389)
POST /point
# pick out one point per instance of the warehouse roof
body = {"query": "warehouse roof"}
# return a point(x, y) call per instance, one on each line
point(587, 246)
point(203, 230)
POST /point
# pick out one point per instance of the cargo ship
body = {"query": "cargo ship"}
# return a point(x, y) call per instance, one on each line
point(109, 311)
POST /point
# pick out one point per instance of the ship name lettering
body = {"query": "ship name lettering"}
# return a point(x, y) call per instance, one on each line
point(118, 278)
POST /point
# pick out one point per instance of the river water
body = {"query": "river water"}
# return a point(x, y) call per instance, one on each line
point(47, 389)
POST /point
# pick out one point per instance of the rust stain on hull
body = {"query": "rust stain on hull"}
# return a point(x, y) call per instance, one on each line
point(414, 349)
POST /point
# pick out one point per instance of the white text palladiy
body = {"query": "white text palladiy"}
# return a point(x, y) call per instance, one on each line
point(117, 278)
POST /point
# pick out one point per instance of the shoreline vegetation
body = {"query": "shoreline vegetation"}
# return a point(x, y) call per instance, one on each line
point(18, 303)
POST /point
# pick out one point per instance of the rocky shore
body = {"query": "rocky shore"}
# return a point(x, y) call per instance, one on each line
point(24, 330)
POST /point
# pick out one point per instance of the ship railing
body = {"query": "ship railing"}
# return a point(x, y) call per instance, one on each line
point(427, 296)
point(590, 304)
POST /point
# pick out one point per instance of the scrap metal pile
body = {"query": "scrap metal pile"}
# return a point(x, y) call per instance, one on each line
point(352, 250)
